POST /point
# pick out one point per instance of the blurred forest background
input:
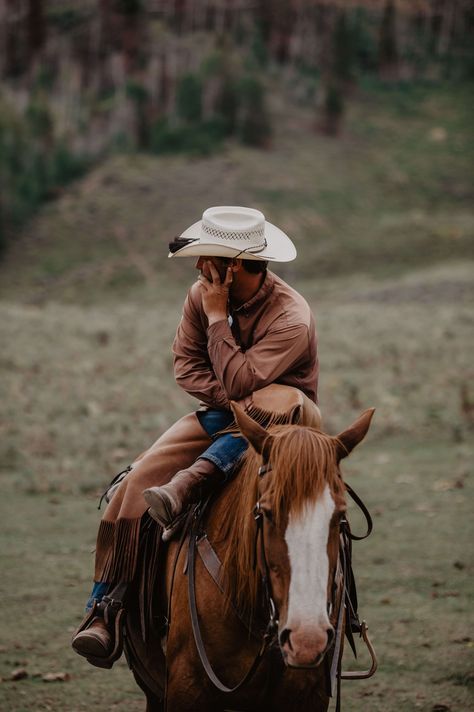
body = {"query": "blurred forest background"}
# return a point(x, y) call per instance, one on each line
point(350, 125)
point(83, 79)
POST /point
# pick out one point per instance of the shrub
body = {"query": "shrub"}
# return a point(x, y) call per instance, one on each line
point(199, 139)
point(343, 48)
point(227, 105)
point(39, 120)
point(137, 92)
point(333, 110)
point(259, 49)
point(254, 125)
point(66, 166)
point(139, 95)
point(32, 165)
point(189, 98)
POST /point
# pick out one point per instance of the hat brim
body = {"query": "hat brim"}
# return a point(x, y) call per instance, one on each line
point(279, 247)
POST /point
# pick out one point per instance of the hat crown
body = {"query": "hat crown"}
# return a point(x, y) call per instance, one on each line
point(244, 228)
point(234, 218)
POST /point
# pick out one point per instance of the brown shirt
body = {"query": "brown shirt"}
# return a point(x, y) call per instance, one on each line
point(272, 340)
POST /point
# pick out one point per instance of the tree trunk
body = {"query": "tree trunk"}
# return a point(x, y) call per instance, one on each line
point(447, 23)
point(388, 43)
point(12, 26)
point(36, 28)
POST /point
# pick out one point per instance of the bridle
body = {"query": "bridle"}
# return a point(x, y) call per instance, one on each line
point(343, 590)
point(271, 629)
point(259, 515)
point(273, 614)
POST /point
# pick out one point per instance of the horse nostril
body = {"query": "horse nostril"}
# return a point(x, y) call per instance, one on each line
point(330, 634)
point(285, 638)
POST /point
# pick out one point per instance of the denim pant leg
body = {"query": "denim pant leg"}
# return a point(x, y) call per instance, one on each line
point(225, 450)
point(99, 590)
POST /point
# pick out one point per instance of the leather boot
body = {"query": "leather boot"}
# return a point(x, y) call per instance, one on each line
point(170, 501)
point(95, 641)
point(99, 637)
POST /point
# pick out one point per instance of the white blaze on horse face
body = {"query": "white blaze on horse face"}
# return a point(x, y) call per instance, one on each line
point(307, 538)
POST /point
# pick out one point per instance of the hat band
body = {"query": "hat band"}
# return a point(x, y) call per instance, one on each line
point(256, 236)
point(252, 250)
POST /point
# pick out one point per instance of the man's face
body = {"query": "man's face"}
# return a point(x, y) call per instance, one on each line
point(220, 263)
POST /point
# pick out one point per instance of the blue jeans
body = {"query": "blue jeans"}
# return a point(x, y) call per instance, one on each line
point(99, 590)
point(227, 449)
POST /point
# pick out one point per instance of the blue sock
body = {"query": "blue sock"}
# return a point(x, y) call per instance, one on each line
point(99, 590)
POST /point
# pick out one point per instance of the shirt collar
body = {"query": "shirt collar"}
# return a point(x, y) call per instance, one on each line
point(265, 290)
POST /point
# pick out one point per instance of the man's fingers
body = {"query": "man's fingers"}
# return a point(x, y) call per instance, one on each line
point(228, 277)
point(214, 273)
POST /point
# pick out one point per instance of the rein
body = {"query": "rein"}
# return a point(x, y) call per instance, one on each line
point(344, 591)
point(272, 625)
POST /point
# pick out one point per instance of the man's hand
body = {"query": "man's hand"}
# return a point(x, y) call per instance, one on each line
point(215, 293)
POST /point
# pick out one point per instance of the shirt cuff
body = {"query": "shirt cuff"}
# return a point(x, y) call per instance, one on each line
point(218, 331)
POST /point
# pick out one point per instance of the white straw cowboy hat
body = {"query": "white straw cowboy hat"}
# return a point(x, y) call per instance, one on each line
point(232, 231)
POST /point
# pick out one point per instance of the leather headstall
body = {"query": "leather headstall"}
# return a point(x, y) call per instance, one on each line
point(259, 514)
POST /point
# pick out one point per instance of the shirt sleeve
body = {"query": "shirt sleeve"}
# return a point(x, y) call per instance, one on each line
point(241, 373)
point(192, 366)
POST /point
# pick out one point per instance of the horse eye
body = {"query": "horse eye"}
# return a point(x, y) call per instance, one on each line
point(268, 514)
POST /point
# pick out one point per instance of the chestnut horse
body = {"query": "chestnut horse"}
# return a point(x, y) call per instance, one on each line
point(290, 481)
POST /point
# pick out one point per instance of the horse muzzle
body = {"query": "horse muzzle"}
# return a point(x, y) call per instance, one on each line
point(305, 646)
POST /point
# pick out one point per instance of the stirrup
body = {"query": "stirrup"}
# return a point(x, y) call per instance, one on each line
point(113, 613)
point(363, 674)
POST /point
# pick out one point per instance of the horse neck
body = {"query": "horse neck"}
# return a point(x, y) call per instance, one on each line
point(225, 505)
point(231, 530)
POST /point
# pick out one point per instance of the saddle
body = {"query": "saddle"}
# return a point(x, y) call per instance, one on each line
point(279, 405)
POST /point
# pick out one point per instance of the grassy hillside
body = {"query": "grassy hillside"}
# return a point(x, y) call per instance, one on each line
point(393, 193)
point(89, 305)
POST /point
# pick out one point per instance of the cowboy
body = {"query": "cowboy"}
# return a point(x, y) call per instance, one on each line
point(242, 329)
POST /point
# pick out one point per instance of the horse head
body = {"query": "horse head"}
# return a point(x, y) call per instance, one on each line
point(300, 499)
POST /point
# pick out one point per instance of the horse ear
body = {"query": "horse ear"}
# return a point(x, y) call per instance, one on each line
point(354, 434)
point(251, 430)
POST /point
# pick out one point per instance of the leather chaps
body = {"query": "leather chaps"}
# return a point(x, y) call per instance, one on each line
point(117, 539)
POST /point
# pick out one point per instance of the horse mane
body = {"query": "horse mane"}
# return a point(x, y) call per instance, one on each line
point(303, 461)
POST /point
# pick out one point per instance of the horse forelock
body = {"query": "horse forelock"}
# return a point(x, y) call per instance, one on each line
point(303, 461)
